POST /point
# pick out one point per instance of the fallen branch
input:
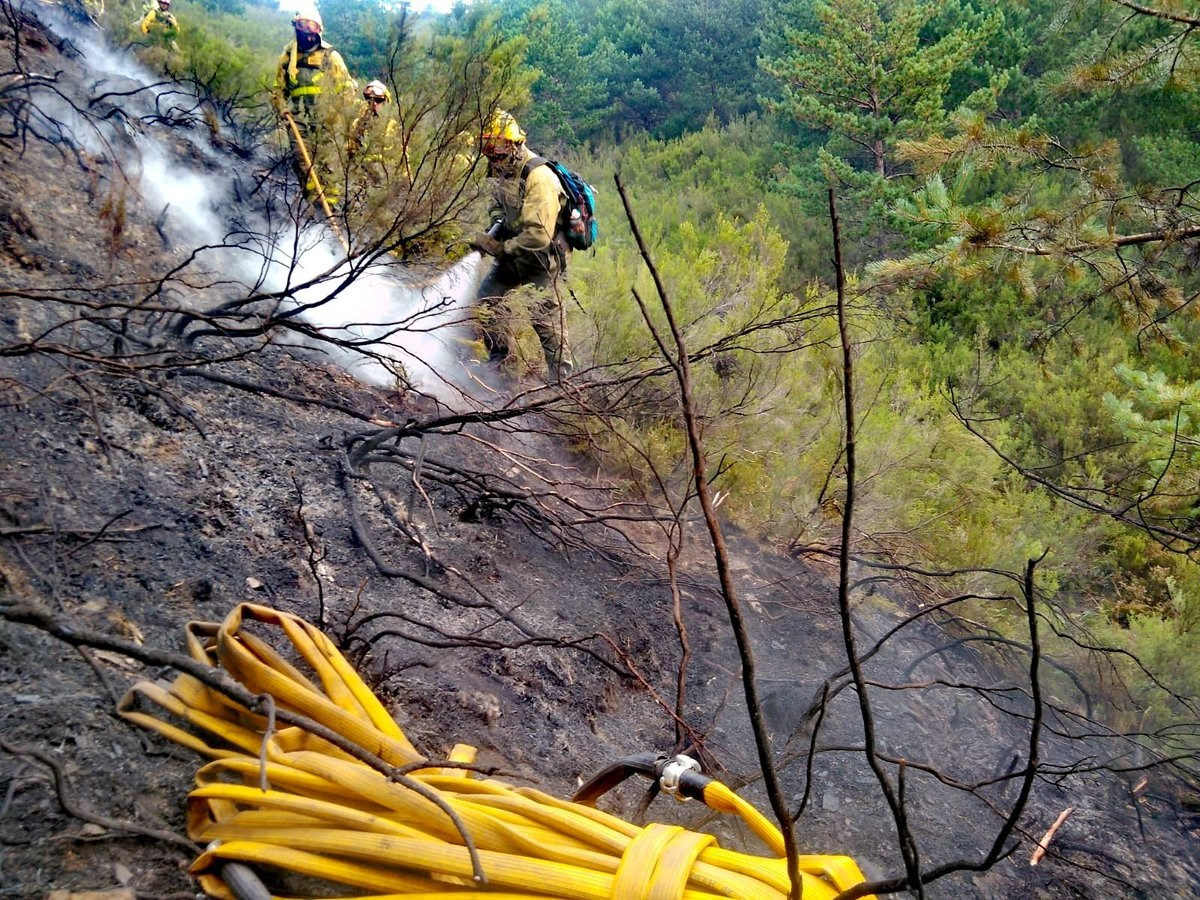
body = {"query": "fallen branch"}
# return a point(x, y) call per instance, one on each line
point(74, 809)
point(1040, 850)
point(91, 534)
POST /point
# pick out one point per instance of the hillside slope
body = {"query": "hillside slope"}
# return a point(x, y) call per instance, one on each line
point(490, 587)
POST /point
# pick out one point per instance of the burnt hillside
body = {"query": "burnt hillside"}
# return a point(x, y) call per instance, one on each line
point(176, 441)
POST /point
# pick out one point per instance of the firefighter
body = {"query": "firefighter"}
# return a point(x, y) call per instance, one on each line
point(525, 242)
point(160, 24)
point(306, 67)
point(373, 141)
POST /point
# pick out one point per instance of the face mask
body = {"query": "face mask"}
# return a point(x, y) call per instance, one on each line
point(306, 40)
point(507, 161)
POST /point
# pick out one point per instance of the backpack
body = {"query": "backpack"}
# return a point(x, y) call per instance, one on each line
point(579, 226)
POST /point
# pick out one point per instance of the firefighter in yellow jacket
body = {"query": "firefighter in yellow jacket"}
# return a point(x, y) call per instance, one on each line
point(527, 206)
point(160, 24)
point(373, 143)
point(307, 67)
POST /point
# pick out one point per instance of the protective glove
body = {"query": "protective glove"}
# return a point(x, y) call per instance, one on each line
point(487, 245)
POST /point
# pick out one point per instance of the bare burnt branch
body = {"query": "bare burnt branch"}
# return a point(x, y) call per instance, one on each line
point(838, 681)
point(316, 554)
point(445, 640)
point(73, 808)
point(906, 839)
point(356, 469)
point(679, 362)
point(1086, 745)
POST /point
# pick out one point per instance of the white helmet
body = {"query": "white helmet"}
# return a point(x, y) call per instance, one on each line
point(376, 90)
point(310, 20)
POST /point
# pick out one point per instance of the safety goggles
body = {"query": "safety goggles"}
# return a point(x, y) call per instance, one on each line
point(307, 26)
point(496, 149)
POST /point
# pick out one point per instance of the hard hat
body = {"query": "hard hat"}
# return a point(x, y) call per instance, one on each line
point(376, 90)
point(503, 126)
point(308, 21)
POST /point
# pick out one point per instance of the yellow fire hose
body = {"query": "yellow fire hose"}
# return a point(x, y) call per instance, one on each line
point(310, 172)
point(285, 799)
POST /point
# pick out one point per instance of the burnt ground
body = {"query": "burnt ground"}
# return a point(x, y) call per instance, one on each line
point(145, 484)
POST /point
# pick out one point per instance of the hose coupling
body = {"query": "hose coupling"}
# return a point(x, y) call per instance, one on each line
point(673, 773)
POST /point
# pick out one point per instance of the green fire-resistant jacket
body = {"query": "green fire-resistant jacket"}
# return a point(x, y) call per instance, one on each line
point(529, 207)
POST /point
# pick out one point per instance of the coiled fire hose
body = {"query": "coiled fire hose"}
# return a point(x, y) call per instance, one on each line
point(284, 800)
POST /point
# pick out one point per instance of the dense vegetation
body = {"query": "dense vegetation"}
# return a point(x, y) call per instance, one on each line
point(1017, 182)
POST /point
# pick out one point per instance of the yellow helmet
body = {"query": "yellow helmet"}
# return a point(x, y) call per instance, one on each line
point(502, 126)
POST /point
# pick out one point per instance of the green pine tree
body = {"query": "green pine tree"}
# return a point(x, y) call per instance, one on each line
point(869, 74)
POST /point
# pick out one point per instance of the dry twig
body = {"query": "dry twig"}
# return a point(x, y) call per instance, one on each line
point(1046, 838)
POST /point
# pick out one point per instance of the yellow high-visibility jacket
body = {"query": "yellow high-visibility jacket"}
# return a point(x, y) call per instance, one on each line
point(164, 25)
point(300, 77)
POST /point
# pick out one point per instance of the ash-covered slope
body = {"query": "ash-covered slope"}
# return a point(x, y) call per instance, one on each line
point(152, 474)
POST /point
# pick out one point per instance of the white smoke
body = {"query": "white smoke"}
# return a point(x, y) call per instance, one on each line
point(182, 193)
point(411, 320)
point(417, 323)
